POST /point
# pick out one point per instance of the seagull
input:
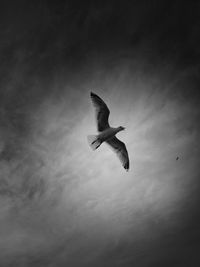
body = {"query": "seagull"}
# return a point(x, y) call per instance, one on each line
point(107, 133)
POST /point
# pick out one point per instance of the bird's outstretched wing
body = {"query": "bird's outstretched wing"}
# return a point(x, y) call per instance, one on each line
point(121, 151)
point(102, 112)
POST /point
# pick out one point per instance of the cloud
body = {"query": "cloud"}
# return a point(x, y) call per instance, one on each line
point(62, 203)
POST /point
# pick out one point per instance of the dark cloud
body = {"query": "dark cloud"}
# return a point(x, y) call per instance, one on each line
point(62, 204)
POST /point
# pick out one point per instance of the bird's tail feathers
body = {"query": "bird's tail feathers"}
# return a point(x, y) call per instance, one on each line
point(93, 141)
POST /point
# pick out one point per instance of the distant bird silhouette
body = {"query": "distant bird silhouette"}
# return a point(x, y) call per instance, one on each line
point(177, 158)
point(107, 133)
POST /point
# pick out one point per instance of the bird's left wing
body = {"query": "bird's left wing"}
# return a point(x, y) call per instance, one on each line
point(102, 112)
point(121, 151)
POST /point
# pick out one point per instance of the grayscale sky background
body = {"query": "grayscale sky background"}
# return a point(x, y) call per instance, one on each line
point(61, 204)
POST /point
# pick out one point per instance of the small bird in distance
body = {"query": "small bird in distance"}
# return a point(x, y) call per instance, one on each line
point(107, 133)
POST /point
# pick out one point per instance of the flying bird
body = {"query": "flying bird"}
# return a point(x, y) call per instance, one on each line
point(107, 133)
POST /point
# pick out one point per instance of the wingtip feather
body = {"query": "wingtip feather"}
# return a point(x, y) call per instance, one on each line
point(126, 166)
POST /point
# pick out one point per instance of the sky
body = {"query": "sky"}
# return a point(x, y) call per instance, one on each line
point(62, 204)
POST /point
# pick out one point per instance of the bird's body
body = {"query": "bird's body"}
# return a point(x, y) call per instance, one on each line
point(107, 133)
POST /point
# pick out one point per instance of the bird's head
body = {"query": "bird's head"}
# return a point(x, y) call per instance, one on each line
point(121, 128)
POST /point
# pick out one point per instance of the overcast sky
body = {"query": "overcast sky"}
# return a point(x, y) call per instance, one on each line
point(62, 204)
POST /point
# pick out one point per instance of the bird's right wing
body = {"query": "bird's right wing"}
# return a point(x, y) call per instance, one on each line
point(121, 151)
point(102, 112)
